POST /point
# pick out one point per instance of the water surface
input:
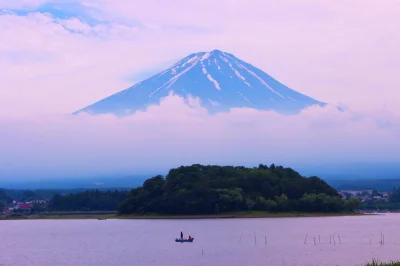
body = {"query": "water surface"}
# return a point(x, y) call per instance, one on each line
point(273, 241)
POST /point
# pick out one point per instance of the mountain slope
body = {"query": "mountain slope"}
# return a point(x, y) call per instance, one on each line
point(221, 81)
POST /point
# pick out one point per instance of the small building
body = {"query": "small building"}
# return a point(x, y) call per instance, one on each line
point(24, 207)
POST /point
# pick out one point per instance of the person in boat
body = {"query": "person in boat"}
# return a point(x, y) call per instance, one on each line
point(190, 238)
point(181, 235)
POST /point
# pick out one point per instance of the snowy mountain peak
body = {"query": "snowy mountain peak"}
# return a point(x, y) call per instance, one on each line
point(221, 81)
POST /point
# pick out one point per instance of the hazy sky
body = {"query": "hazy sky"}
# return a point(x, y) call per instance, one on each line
point(59, 56)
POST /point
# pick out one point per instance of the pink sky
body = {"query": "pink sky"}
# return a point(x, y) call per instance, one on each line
point(335, 51)
point(54, 62)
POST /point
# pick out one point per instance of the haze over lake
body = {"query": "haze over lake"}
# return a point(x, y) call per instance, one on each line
point(217, 241)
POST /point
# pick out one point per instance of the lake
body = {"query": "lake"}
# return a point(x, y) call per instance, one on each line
point(272, 241)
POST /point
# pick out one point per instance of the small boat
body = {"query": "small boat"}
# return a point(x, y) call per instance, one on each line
point(101, 218)
point(183, 240)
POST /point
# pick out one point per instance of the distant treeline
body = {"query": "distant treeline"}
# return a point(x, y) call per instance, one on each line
point(23, 195)
point(7, 196)
point(199, 189)
point(66, 199)
point(385, 185)
point(90, 200)
point(59, 200)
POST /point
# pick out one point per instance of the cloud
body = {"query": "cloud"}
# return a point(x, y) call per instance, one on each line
point(180, 132)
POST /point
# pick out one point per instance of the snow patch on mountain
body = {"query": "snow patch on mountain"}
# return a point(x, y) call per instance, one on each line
point(210, 78)
point(263, 82)
point(244, 97)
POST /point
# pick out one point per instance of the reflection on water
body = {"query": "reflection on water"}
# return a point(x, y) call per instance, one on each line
point(275, 241)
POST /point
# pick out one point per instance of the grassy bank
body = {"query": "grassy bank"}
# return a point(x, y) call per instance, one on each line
point(72, 216)
point(238, 215)
point(254, 214)
point(377, 263)
point(61, 217)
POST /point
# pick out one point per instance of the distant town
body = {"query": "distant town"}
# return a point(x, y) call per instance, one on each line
point(365, 195)
point(23, 207)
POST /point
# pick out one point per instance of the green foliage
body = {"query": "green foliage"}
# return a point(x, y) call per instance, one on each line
point(377, 263)
point(199, 189)
point(28, 195)
point(2, 205)
point(5, 197)
point(270, 205)
point(380, 184)
point(8, 195)
point(378, 204)
point(250, 204)
point(93, 200)
point(352, 204)
point(395, 196)
point(324, 203)
point(38, 208)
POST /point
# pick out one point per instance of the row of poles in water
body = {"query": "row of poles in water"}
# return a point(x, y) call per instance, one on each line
point(332, 239)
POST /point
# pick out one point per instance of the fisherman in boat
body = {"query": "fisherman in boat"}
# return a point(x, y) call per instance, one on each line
point(181, 235)
point(190, 238)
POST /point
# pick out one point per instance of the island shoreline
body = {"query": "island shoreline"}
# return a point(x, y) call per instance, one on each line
point(185, 217)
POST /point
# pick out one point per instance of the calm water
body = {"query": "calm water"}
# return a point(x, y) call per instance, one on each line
point(217, 242)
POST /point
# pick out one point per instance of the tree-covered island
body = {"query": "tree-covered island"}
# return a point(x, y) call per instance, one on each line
point(199, 189)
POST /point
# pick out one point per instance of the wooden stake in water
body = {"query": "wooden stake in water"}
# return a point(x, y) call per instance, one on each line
point(340, 241)
point(314, 241)
point(330, 239)
point(255, 239)
point(240, 240)
point(370, 241)
point(265, 239)
point(202, 252)
point(334, 241)
point(319, 239)
point(305, 239)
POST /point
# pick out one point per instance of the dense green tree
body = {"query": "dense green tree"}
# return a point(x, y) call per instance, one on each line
point(353, 204)
point(271, 205)
point(250, 204)
point(395, 196)
point(5, 197)
point(2, 205)
point(324, 203)
point(282, 202)
point(261, 203)
point(93, 200)
point(38, 208)
point(28, 195)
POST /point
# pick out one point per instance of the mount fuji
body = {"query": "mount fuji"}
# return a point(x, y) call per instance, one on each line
point(220, 80)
